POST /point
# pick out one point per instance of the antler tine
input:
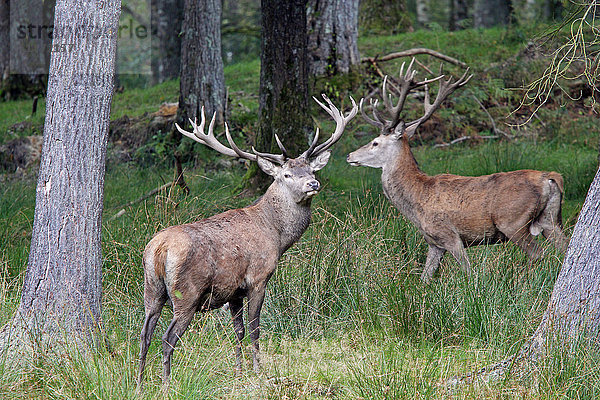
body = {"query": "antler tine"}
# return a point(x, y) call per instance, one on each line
point(370, 120)
point(446, 88)
point(340, 120)
point(207, 139)
point(277, 158)
point(240, 153)
point(309, 151)
point(281, 147)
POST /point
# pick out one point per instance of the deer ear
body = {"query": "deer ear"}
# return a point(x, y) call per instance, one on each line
point(267, 166)
point(321, 161)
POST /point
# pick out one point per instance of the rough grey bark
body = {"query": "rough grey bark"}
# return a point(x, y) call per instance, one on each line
point(202, 80)
point(62, 286)
point(488, 13)
point(283, 97)
point(332, 36)
point(574, 307)
point(167, 16)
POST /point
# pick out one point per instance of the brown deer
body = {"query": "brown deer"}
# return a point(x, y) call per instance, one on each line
point(222, 259)
point(453, 212)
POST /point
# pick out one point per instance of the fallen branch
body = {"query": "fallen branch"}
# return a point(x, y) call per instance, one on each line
point(463, 138)
point(414, 52)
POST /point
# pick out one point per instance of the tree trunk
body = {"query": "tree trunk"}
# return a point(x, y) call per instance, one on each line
point(167, 16)
point(458, 14)
point(283, 97)
point(202, 80)
point(574, 307)
point(332, 34)
point(422, 12)
point(489, 13)
point(283, 93)
point(62, 286)
point(4, 40)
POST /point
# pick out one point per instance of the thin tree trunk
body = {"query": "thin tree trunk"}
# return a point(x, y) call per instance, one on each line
point(574, 307)
point(167, 16)
point(62, 286)
point(422, 12)
point(4, 39)
point(458, 14)
point(202, 80)
point(283, 97)
point(332, 36)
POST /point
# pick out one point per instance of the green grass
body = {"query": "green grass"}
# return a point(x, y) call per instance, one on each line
point(345, 315)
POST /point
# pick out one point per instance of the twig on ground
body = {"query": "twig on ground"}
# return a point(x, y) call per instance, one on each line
point(494, 127)
point(463, 138)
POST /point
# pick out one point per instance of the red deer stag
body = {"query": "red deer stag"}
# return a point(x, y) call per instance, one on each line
point(222, 259)
point(453, 212)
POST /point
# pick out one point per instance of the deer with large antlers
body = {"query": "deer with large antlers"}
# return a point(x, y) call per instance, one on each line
point(453, 212)
point(223, 259)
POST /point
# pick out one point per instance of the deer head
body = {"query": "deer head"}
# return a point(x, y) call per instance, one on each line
point(383, 148)
point(293, 176)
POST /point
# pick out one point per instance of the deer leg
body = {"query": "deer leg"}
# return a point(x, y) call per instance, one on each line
point(180, 322)
point(434, 256)
point(237, 307)
point(153, 310)
point(255, 302)
point(457, 249)
point(525, 240)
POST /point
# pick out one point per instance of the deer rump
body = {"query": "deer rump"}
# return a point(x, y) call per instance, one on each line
point(488, 209)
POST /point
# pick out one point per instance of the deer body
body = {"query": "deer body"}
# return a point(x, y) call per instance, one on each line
point(454, 212)
point(231, 256)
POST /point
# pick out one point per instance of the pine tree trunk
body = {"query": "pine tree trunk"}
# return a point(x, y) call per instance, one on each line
point(332, 35)
point(62, 286)
point(202, 80)
point(574, 307)
point(283, 98)
point(167, 16)
point(422, 12)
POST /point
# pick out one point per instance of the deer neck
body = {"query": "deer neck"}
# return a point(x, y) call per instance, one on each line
point(404, 182)
point(281, 213)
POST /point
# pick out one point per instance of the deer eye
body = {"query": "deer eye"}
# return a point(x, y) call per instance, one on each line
point(287, 176)
point(375, 144)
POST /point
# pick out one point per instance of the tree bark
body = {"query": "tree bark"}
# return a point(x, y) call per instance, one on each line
point(167, 16)
point(283, 97)
point(202, 80)
point(574, 308)
point(422, 7)
point(332, 36)
point(62, 286)
point(489, 13)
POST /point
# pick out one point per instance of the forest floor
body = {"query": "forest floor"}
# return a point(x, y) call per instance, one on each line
point(346, 315)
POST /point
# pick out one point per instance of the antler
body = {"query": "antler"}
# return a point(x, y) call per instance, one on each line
point(211, 141)
point(341, 122)
point(446, 88)
point(407, 83)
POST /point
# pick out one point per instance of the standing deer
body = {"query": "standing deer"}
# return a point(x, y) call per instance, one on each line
point(222, 259)
point(453, 212)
